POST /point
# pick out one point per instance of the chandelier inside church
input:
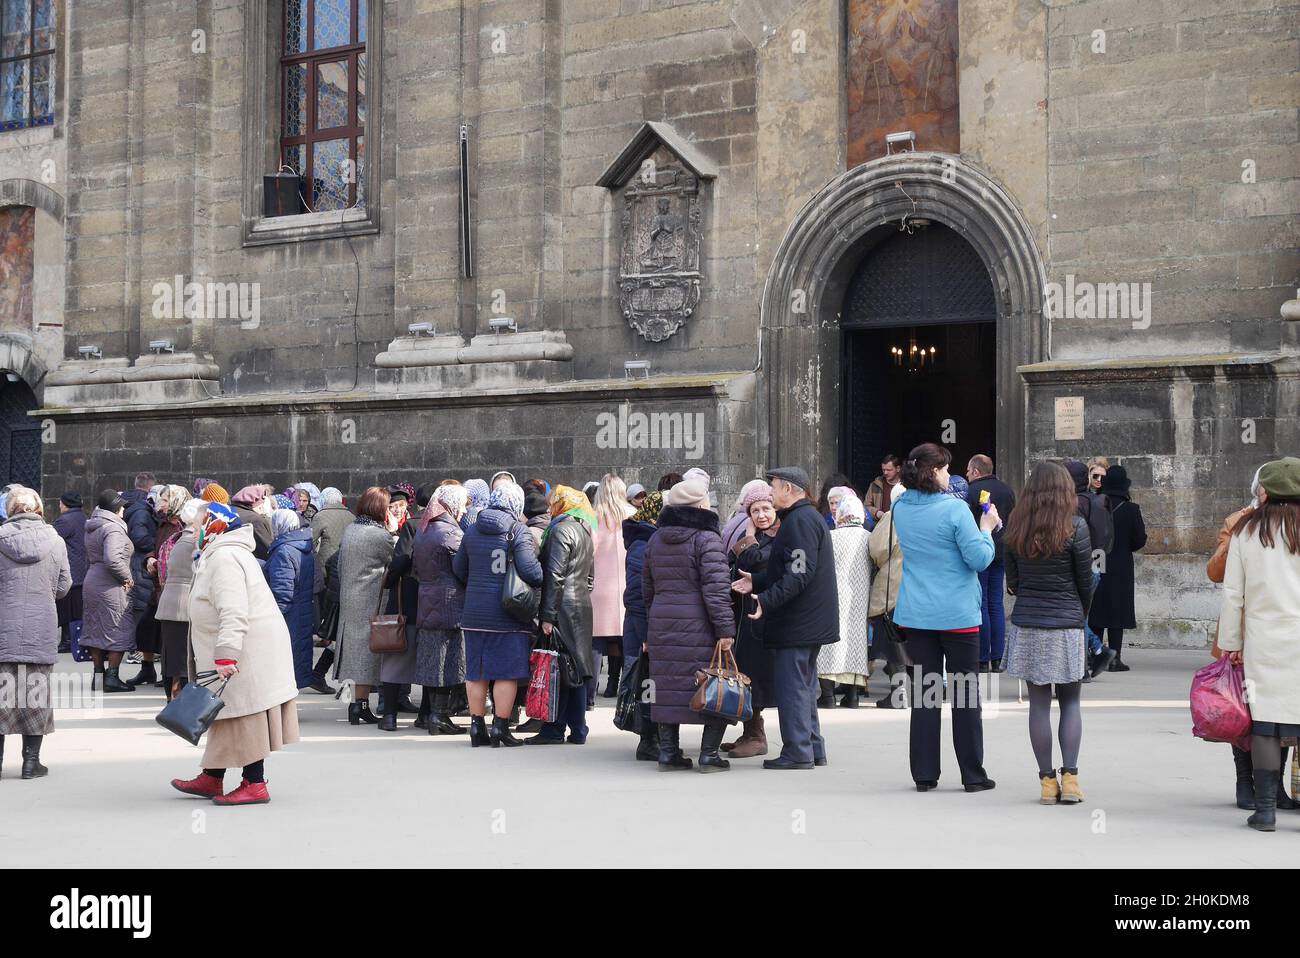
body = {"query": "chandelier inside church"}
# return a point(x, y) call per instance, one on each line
point(914, 356)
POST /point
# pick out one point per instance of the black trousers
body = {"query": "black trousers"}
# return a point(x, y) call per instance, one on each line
point(930, 651)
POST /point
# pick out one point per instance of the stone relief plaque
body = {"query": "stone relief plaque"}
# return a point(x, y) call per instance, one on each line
point(659, 269)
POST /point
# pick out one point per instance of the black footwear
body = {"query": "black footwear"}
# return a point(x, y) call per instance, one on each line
point(888, 702)
point(1245, 779)
point(1101, 661)
point(1087, 677)
point(1117, 664)
point(318, 684)
point(389, 722)
point(783, 763)
point(478, 733)
point(543, 740)
point(359, 712)
point(926, 786)
point(987, 785)
point(1266, 785)
point(647, 749)
point(499, 736)
point(404, 704)
point(670, 756)
point(820, 762)
point(421, 721)
point(827, 699)
point(710, 760)
point(532, 725)
point(850, 699)
point(114, 684)
point(65, 647)
point(147, 675)
point(440, 722)
point(96, 678)
point(32, 767)
point(986, 667)
point(997, 666)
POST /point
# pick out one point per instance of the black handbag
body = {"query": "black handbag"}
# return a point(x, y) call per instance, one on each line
point(518, 598)
point(886, 620)
point(194, 709)
point(627, 707)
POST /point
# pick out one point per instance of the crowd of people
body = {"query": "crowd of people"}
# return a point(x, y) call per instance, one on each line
point(449, 587)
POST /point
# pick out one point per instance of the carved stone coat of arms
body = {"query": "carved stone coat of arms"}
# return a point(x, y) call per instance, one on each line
point(659, 271)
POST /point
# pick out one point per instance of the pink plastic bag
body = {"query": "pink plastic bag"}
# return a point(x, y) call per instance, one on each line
point(1219, 709)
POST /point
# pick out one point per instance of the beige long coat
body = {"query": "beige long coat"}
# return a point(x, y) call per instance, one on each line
point(233, 615)
point(1261, 617)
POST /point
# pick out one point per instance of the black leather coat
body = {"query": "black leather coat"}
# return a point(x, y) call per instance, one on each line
point(567, 557)
point(1053, 593)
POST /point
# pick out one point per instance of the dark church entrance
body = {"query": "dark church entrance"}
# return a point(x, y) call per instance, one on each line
point(919, 329)
point(20, 434)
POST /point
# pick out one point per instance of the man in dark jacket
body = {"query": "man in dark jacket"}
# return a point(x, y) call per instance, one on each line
point(142, 527)
point(1101, 532)
point(801, 606)
point(979, 473)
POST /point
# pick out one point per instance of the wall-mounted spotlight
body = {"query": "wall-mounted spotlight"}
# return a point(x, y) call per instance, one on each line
point(417, 329)
point(632, 367)
point(499, 323)
point(160, 346)
point(90, 352)
point(905, 141)
point(12, 377)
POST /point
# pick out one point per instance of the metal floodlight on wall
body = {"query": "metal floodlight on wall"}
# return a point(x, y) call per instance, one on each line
point(905, 138)
point(160, 346)
point(416, 329)
point(12, 377)
point(499, 323)
point(634, 366)
point(90, 352)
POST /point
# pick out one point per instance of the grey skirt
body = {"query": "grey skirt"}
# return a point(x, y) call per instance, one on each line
point(399, 667)
point(25, 709)
point(1045, 656)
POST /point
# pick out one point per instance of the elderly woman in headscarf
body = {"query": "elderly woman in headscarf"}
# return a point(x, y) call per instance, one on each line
point(846, 662)
point(440, 643)
point(291, 573)
point(307, 501)
point(497, 644)
point(750, 554)
point(175, 571)
point(237, 631)
point(738, 526)
point(168, 503)
point(637, 531)
point(364, 555)
point(478, 493)
point(568, 554)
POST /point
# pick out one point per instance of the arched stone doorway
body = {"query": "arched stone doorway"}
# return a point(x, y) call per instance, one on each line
point(20, 434)
point(800, 394)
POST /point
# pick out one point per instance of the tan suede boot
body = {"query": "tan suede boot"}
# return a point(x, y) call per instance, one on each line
point(754, 742)
point(1051, 790)
point(1071, 793)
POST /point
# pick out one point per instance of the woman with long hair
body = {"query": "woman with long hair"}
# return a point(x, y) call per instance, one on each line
point(1048, 555)
point(1260, 625)
point(939, 609)
point(611, 508)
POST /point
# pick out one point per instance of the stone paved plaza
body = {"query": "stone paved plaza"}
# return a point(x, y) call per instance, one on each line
point(357, 797)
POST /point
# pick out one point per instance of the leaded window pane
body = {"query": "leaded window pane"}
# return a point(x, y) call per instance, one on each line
point(295, 99)
point(295, 157)
point(16, 36)
point(43, 31)
point(333, 24)
point(361, 89)
point(330, 174)
point(13, 93)
point(295, 26)
point(331, 95)
point(361, 171)
point(42, 86)
point(361, 21)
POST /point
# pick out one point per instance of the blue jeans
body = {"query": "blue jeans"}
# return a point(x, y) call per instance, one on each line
point(1094, 640)
point(572, 712)
point(993, 623)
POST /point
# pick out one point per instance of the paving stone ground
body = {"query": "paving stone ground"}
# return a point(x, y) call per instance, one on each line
point(344, 796)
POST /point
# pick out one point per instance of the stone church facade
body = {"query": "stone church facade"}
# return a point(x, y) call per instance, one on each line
point(568, 236)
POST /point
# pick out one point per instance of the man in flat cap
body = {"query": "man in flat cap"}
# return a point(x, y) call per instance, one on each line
point(798, 599)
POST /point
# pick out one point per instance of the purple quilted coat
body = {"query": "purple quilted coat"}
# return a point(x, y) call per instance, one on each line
point(686, 584)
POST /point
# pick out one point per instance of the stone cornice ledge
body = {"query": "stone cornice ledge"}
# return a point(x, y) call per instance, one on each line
point(448, 350)
point(146, 369)
point(596, 390)
point(1201, 366)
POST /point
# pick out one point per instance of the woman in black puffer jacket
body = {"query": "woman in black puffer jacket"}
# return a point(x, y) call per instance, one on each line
point(1048, 558)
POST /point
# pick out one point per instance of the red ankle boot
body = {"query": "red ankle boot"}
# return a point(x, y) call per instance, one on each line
point(248, 793)
point(203, 785)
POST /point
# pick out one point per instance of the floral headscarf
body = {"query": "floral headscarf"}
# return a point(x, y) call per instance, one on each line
point(850, 511)
point(407, 488)
point(449, 500)
point(172, 500)
point(507, 497)
point(957, 488)
point(479, 494)
point(218, 519)
point(651, 506)
point(567, 501)
point(286, 501)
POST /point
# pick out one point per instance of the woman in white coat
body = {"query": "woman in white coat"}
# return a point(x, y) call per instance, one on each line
point(1260, 624)
point(846, 662)
point(236, 630)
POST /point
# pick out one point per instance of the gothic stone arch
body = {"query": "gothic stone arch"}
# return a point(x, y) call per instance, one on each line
point(798, 397)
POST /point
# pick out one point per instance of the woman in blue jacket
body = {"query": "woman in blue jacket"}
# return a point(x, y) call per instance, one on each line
point(636, 534)
point(290, 571)
point(939, 611)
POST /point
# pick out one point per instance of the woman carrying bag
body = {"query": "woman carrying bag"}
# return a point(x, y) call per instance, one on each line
point(365, 552)
point(566, 613)
point(687, 589)
point(236, 630)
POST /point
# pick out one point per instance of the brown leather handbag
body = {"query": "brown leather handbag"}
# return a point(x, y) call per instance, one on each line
point(387, 632)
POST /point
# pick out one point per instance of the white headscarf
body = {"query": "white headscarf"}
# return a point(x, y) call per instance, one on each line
point(1254, 488)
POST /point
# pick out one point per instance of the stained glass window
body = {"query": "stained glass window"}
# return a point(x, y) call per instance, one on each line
point(26, 63)
point(324, 98)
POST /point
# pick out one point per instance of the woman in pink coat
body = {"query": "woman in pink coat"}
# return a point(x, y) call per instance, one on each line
point(610, 571)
